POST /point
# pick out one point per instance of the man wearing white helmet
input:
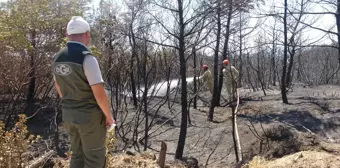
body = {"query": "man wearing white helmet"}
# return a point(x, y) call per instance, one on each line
point(85, 108)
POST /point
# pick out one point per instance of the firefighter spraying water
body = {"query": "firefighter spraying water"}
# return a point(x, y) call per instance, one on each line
point(207, 78)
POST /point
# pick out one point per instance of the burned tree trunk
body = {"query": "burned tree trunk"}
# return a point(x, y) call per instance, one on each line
point(225, 49)
point(32, 78)
point(133, 56)
point(195, 77)
point(215, 90)
point(182, 59)
point(145, 95)
point(285, 50)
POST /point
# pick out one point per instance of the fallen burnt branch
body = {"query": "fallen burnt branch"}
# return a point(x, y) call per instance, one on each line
point(41, 160)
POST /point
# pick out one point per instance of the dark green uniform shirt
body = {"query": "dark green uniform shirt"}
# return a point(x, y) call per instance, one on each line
point(75, 69)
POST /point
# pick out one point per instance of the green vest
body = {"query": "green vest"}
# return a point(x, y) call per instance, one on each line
point(78, 102)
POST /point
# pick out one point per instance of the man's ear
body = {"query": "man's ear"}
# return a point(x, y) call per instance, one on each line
point(68, 36)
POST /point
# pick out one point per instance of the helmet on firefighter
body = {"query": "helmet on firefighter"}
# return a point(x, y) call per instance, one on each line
point(205, 67)
point(225, 62)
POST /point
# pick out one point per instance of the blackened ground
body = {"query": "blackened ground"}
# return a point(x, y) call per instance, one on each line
point(266, 126)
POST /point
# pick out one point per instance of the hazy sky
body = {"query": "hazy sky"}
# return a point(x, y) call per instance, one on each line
point(324, 21)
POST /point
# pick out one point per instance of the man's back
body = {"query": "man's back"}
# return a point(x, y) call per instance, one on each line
point(230, 73)
point(78, 101)
point(207, 77)
point(85, 105)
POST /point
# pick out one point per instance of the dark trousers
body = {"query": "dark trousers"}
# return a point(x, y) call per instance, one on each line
point(88, 142)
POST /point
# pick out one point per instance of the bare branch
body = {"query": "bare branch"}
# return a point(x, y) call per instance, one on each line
point(167, 8)
point(164, 27)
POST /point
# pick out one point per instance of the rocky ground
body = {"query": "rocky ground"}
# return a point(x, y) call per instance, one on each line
point(267, 127)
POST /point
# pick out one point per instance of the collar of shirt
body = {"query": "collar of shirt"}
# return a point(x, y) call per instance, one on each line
point(79, 43)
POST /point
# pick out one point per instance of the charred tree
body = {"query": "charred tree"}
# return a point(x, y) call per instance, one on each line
point(184, 102)
point(215, 90)
point(225, 47)
point(285, 52)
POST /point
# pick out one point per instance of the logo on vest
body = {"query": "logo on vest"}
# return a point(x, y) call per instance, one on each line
point(62, 69)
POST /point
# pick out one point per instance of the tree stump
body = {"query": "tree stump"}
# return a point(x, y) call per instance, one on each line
point(162, 155)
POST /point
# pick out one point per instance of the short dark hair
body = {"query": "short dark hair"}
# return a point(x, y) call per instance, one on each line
point(77, 35)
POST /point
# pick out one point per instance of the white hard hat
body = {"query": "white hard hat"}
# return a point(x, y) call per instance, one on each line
point(77, 25)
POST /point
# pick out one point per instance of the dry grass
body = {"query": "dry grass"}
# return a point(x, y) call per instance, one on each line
point(303, 159)
point(14, 144)
point(257, 162)
point(143, 160)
